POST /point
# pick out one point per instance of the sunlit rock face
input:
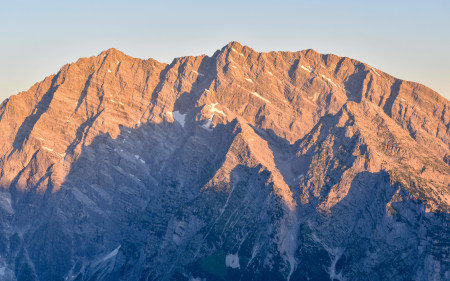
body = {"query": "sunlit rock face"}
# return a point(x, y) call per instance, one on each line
point(239, 166)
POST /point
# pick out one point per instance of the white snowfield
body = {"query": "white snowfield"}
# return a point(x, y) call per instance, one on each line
point(234, 50)
point(5, 202)
point(305, 68)
point(255, 94)
point(260, 97)
point(180, 118)
point(208, 125)
point(112, 254)
point(329, 80)
point(47, 148)
point(139, 158)
point(232, 261)
point(315, 97)
point(51, 150)
point(198, 73)
point(213, 109)
point(373, 69)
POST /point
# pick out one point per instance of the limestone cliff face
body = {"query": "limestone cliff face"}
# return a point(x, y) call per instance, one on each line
point(243, 165)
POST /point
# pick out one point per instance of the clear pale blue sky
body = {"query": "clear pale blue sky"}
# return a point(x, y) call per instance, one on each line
point(409, 39)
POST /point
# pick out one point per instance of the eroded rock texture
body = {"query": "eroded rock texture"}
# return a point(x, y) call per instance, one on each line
point(239, 166)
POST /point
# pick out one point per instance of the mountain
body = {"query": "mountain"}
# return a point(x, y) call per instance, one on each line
point(238, 166)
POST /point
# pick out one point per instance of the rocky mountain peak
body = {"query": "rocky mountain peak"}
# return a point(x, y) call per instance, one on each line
point(233, 44)
point(277, 165)
point(112, 52)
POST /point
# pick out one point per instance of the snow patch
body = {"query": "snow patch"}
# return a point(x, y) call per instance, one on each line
point(180, 118)
point(232, 261)
point(260, 97)
point(214, 109)
point(47, 148)
point(51, 150)
point(208, 125)
point(199, 74)
point(109, 71)
point(270, 73)
point(249, 80)
point(373, 69)
point(255, 94)
point(139, 158)
point(233, 66)
point(315, 97)
point(255, 251)
point(112, 101)
point(112, 254)
point(305, 68)
point(329, 80)
point(310, 102)
point(5, 202)
point(83, 198)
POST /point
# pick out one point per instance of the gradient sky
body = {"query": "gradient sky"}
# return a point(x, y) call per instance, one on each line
point(406, 38)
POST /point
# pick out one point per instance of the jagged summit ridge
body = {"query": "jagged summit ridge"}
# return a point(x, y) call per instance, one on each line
point(238, 159)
